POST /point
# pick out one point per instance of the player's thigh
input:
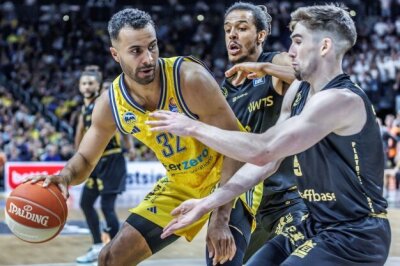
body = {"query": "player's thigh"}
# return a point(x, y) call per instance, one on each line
point(288, 216)
point(128, 246)
point(315, 253)
point(362, 242)
point(272, 253)
point(257, 240)
point(150, 232)
point(137, 240)
point(159, 203)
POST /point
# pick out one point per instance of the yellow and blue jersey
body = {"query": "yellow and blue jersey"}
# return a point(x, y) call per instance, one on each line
point(193, 169)
point(187, 160)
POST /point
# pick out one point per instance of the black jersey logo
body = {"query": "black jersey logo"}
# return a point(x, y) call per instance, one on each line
point(258, 82)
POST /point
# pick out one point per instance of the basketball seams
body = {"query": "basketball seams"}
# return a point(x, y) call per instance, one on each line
point(65, 213)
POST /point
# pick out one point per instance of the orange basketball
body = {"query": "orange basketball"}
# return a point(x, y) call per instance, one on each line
point(36, 214)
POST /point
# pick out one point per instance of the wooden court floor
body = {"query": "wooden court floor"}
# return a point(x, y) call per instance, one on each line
point(64, 249)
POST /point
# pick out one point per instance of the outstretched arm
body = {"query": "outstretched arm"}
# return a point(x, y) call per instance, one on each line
point(280, 69)
point(79, 167)
point(191, 210)
point(248, 175)
point(335, 110)
point(244, 179)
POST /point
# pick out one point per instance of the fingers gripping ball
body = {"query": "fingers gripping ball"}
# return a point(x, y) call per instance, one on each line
point(36, 214)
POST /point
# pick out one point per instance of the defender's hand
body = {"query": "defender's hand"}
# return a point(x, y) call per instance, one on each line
point(175, 123)
point(250, 70)
point(220, 242)
point(60, 180)
point(186, 214)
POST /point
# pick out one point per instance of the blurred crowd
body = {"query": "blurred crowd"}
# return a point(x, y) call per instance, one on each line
point(45, 46)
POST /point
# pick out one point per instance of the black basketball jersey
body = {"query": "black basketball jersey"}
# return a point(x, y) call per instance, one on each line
point(257, 106)
point(114, 146)
point(341, 177)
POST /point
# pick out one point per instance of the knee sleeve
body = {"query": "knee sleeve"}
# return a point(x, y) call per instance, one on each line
point(151, 232)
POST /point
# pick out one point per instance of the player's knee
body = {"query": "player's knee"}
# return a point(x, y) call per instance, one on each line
point(107, 205)
point(107, 210)
point(106, 257)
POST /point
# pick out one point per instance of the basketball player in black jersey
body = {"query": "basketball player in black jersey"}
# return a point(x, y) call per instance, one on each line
point(257, 104)
point(108, 178)
point(330, 126)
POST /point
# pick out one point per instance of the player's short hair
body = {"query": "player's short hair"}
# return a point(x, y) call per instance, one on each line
point(262, 19)
point(331, 18)
point(132, 17)
point(93, 71)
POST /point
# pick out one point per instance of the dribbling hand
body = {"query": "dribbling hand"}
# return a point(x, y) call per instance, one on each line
point(59, 180)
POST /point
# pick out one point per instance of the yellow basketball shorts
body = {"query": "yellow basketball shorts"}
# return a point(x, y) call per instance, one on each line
point(167, 195)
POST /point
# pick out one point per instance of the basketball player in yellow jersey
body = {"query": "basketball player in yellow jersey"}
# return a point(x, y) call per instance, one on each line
point(179, 84)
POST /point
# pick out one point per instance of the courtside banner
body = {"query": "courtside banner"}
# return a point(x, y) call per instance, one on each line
point(15, 172)
point(140, 179)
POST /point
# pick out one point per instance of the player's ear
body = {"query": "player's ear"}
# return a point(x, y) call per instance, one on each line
point(114, 53)
point(261, 36)
point(326, 46)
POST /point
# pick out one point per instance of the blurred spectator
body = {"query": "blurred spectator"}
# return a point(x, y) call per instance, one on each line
point(51, 154)
point(43, 48)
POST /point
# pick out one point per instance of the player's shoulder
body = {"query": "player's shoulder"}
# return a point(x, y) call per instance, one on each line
point(340, 99)
point(190, 68)
point(103, 101)
point(193, 74)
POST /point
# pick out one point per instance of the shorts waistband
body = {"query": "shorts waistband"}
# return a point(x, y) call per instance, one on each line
point(112, 151)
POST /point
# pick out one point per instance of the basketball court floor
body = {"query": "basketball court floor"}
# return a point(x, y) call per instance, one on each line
point(75, 240)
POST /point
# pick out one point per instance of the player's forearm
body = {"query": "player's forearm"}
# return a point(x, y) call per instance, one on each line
point(241, 146)
point(78, 139)
point(285, 73)
point(222, 213)
point(247, 177)
point(77, 169)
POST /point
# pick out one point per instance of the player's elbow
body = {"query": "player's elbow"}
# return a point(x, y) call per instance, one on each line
point(261, 156)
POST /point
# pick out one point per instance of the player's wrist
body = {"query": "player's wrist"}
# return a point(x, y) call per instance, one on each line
point(265, 68)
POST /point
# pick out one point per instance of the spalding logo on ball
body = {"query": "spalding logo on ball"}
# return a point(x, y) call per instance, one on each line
point(36, 214)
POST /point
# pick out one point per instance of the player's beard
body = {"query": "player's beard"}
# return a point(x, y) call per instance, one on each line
point(148, 79)
point(245, 58)
point(90, 95)
point(134, 74)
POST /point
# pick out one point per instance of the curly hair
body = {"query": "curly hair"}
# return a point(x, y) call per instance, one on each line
point(262, 19)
